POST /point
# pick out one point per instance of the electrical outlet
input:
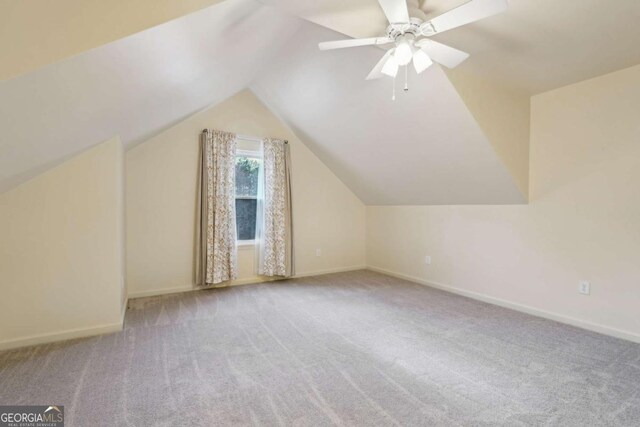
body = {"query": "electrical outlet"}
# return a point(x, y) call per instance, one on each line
point(318, 252)
point(584, 287)
point(427, 260)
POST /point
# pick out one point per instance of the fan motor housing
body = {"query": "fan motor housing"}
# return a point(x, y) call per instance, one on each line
point(413, 27)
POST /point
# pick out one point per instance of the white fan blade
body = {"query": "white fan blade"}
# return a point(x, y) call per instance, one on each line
point(465, 14)
point(441, 53)
point(339, 44)
point(421, 61)
point(376, 73)
point(395, 10)
point(391, 66)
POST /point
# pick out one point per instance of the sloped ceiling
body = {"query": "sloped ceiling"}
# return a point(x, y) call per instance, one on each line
point(37, 33)
point(537, 45)
point(134, 87)
point(423, 148)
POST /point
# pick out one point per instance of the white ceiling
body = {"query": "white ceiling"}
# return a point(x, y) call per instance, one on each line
point(537, 45)
point(424, 148)
point(134, 87)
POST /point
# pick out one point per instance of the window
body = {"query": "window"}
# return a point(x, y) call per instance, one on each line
point(247, 166)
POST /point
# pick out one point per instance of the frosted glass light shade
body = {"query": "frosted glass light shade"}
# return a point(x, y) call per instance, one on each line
point(421, 61)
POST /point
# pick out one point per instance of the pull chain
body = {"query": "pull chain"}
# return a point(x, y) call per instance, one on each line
point(393, 96)
point(406, 78)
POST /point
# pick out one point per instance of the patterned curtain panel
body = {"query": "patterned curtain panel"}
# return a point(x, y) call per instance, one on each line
point(274, 231)
point(217, 227)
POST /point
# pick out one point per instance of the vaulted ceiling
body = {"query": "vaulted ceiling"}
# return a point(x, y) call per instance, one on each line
point(136, 86)
point(452, 138)
point(423, 148)
point(537, 45)
point(37, 33)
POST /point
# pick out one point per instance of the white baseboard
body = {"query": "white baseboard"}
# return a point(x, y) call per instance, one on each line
point(180, 289)
point(331, 271)
point(247, 281)
point(61, 336)
point(124, 312)
point(595, 327)
point(162, 291)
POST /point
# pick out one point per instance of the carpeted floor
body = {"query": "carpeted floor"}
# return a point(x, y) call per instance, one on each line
point(355, 348)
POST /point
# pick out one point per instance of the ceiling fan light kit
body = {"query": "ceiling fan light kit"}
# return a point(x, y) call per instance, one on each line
point(421, 61)
point(391, 67)
point(404, 49)
point(411, 36)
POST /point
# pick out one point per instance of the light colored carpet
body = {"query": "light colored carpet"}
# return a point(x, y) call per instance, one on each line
point(355, 348)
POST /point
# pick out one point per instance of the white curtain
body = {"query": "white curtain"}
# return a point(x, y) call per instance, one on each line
point(274, 228)
point(217, 226)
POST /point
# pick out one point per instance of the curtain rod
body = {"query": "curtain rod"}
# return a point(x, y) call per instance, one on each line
point(247, 137)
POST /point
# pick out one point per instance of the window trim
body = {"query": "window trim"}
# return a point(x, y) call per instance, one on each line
point(249, 153)
point(247, 244)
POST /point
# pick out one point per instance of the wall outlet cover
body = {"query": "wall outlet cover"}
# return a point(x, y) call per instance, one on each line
point(584, 287)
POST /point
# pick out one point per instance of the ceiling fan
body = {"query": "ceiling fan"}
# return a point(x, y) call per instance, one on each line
point(411, 35)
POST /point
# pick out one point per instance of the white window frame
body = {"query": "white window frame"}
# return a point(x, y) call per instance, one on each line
point(247, 244)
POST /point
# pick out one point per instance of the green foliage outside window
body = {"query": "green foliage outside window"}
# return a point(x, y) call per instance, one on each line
point(247, 176)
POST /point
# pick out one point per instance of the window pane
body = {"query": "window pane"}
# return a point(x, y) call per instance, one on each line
point(246, 218)
point(247, 176)
point(247, 169)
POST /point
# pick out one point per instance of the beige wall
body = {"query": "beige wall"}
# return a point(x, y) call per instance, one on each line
point(36, 33)
point(61, 251)
point(161, 203)
point(582, 223)
point(503, 114)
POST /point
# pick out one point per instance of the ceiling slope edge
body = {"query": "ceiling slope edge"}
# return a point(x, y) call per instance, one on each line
point(298, 133)
point(425, 148)
point(135, 87)
point(35, 34)
point(503, 114)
